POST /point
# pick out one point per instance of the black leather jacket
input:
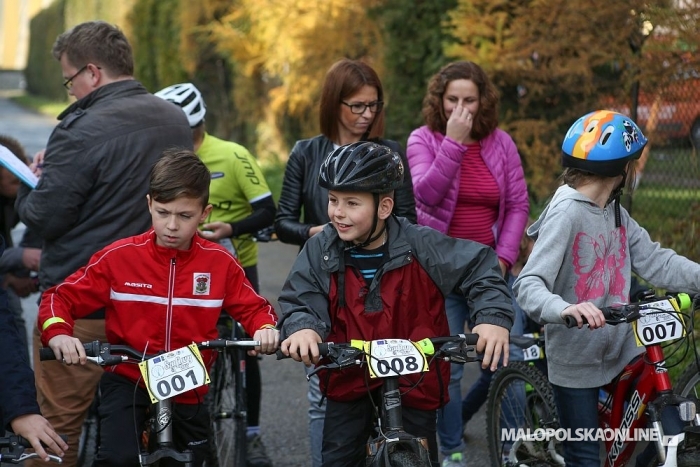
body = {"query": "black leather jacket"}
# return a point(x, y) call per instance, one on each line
point(300, 189)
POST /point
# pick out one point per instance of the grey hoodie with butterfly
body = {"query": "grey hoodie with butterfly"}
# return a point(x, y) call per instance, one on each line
point(579, 255)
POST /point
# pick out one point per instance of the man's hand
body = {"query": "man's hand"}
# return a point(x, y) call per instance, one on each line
point(269, 341)
point(215, 231)
point(37, 162)
point(493, 343)
point(36, 429)
point(31, 258)
point(68, 349)
point(22, 286)
point(302, 346)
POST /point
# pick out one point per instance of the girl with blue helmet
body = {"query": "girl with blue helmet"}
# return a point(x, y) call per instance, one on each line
point(586, 248)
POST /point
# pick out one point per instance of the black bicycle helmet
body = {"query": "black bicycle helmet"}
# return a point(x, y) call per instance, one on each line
point(363, 167)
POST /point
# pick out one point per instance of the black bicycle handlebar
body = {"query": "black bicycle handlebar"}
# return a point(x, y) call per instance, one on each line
point(110, 354)
point(629, 312)
point(328, 348)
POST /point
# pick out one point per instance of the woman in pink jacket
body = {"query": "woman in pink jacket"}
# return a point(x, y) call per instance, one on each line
point(468, 182)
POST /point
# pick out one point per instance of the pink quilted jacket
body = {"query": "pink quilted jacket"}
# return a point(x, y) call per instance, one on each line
point(435, 163)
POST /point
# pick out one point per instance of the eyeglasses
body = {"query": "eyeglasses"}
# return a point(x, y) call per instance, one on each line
point(359, 107)
point(69, 82)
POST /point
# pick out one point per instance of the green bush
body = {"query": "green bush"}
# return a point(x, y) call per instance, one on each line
point(43, 72)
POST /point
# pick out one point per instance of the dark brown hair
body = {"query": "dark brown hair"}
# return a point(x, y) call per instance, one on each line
point(179, 173)
point(345, 78)
point(485, 120)
point(15, 147)
point(99, 43)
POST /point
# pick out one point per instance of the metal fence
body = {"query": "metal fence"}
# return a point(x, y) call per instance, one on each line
point(666, 200)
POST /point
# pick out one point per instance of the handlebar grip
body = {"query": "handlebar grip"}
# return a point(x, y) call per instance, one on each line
point(281, 356)
point(323, 349)
point(46, 353)
point(570, 321)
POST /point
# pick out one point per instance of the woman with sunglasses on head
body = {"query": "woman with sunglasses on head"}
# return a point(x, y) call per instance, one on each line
point(468, 183)
point(351, 110)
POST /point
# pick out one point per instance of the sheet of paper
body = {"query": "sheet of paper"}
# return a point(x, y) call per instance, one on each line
point(17, 167)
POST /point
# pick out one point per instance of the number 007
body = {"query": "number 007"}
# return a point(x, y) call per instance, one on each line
point(659, 331)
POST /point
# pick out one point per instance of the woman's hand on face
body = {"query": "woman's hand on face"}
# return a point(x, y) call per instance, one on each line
point(459, 125)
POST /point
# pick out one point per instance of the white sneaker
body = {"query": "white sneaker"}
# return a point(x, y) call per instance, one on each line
point(454, 460)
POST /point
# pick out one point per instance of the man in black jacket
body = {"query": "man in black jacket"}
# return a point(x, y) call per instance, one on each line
point(19, 411)
point(92, 188)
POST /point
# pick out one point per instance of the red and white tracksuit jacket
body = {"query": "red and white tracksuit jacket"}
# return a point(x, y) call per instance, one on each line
point(156, 298)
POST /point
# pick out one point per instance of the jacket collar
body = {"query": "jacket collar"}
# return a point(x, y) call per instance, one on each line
point(168, 254)
point(127, 86)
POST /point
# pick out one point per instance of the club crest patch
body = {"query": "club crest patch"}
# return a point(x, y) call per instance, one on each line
point(201, 283)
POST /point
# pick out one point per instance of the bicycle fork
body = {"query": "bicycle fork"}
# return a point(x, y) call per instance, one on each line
point(391, 431)
point(163, 425)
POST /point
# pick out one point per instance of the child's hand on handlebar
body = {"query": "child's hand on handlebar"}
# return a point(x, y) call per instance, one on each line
point(302, 346)
point(68, 349)
point(269, 341)
point(37, 430)
point(585, 312)
point(493, 343)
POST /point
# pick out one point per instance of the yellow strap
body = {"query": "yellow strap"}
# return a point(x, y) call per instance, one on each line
point(51, 321)
point(268, 326)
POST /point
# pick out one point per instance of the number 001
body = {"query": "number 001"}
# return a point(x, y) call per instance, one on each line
point(176, 381)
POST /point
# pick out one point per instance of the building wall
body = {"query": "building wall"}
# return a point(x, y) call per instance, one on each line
point(14, 31)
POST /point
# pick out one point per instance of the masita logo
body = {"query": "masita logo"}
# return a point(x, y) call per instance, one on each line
point(138, 285)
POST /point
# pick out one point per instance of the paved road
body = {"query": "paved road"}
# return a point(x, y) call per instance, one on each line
point(284, 420)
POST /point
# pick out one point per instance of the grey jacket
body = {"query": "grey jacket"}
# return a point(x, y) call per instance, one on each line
point(95, 177)
point(300, 190)
point(580, 256)
point(454, 265)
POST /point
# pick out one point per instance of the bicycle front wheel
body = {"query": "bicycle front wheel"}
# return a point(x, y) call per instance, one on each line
point(228, 412)
point(520, 401)
point(688, 384)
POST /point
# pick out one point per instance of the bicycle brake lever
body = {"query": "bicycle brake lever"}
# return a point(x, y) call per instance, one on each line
point(459, 353)
point(331, 366)
point(34, 455)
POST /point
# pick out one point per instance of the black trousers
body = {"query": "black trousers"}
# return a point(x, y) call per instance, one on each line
point(348, 426)
point(122, 413)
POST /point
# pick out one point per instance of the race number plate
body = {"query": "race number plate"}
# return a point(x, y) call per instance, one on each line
point(534, 352)
point(393, 357)
point(173, 373)
point(656, 326)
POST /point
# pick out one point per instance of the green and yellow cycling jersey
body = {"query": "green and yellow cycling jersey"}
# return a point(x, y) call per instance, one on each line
point(236, 182)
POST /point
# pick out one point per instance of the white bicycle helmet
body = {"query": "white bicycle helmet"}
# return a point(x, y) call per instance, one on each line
point(187, 96)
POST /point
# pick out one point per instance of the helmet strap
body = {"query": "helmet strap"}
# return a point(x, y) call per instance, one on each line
point(375, 221)
point(615, 198)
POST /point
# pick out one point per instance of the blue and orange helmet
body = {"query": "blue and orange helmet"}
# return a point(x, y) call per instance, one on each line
point(602, 142)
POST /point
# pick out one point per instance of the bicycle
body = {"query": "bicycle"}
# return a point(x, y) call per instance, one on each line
point(12, 450)
point(520, 397)
point(634, 399)
point(227, 400)
point(162, 389)
point(390, 359)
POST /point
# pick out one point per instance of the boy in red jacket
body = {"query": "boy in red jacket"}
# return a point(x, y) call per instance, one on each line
point(161, 290)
